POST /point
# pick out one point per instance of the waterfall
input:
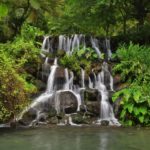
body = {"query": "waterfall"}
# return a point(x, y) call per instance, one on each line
point(75, 42)
point(106, 110)
point(46, 44)
point(45, 67)
point(109, 53)
point(50, 83)
point(62, 42)
point(67, 84)
point(95, 45)
point(44, 98)
point(90, 83)
point(76, 91)
point(83, 78)
point(99, 82)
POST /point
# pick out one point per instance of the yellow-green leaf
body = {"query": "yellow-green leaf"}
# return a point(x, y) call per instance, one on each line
point(3, 10)
point(35, 4)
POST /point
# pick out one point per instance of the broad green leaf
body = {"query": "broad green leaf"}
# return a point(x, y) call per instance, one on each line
point(148, 102)
point(115, 96)
point(141, 119)
point(129, 122)
point(95, 55)
point(35, 4)
point(123, 113)
point(136, 111)
point(127, 95)
point(143, 110)
point(3, 10)
point(130, 108)
point(136, 96)
point(80, 52)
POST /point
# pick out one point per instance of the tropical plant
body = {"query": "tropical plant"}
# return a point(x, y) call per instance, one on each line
point(135, 99)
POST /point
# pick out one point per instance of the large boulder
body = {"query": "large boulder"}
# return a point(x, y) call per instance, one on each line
point(68, 102)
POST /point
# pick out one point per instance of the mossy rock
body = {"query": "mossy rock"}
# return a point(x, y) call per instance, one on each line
point(91, 95)
point(80, 119)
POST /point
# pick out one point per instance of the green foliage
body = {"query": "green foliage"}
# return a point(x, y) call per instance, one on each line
point(70, 62)
point(3, 11)
point(29, 32)
point(18, 67)
point(135, 61)
point(82, 58)
point(135, 104)
point(134, 69)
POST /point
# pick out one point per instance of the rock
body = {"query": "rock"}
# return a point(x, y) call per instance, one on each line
point(13, 124)
point(117, 79)
point(60, 53)
point(80, 119)
point(93, 107)
point(53, 120)
point(91, 95)
point(52, 113)
point(59, 78)
point(104, 122)
point(41, 85)
point(68, 102)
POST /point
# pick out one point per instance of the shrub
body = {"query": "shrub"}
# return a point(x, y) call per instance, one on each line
point(134, 69)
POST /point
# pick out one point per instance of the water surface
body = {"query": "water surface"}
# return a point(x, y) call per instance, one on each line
point(71, 138)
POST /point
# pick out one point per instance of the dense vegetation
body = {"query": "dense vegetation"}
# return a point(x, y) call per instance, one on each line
point(21, 22)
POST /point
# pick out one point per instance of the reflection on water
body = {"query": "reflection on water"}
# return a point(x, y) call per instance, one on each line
point(68, 138)
point(104, 139)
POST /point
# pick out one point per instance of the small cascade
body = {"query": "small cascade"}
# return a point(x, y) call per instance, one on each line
point(95, 45)
point(62, 42)
point(45, 68)
point(106, 110)
point(76, 42)
point(50, 84)
point(109, 53)
point(90, 83)
point(67, 84)
point(44, 99)
point(46, 44)
point(83, 78)
point(76, 91)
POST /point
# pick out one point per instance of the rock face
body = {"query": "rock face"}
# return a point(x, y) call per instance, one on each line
point(91, 95)
point(64, 100)
point(68, 102)
point(92, 101)
point(59, 78)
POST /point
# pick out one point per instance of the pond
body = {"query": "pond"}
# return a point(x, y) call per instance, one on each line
point(75, 138)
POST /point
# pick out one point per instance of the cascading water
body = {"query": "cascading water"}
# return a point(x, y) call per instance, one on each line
point(74, 42)
point(83, 78)
point(90, 83)
point(53, 97)
point(50, 84)
point(106, 110)
point(109, 53)
point(46, 44)
point(44, 98)
point(95, 45)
